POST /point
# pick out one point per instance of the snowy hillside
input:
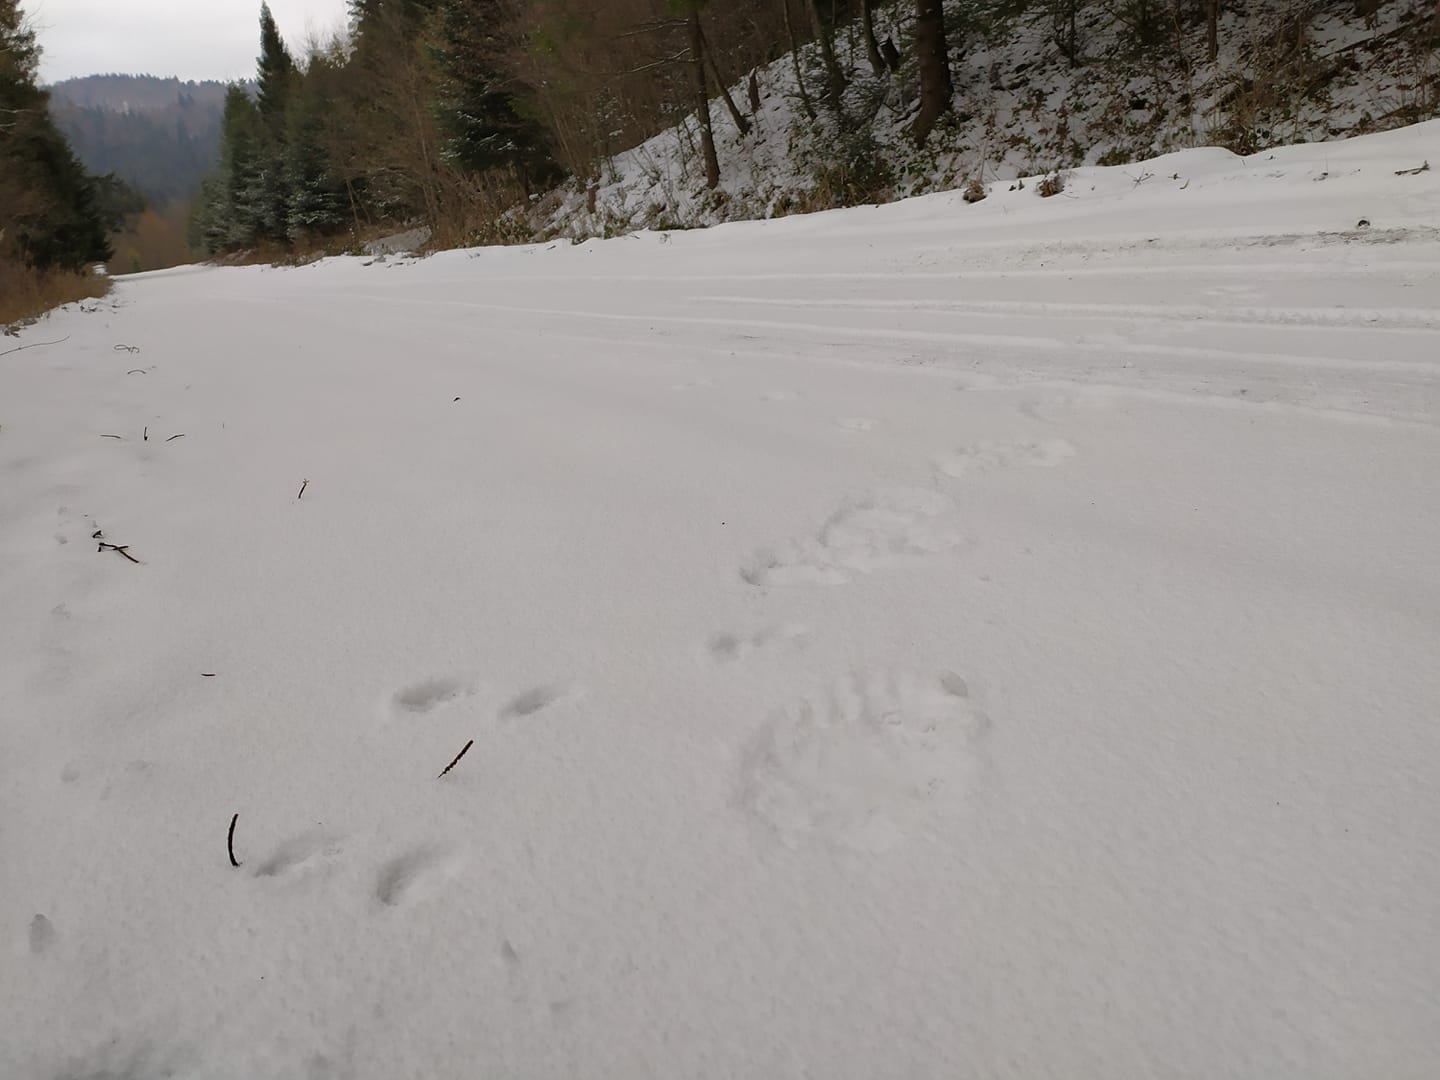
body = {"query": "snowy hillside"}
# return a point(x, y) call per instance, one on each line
point(929, 640)
point(1022, 109)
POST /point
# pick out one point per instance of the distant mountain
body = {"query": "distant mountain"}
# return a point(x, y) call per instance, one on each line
point(158, 135)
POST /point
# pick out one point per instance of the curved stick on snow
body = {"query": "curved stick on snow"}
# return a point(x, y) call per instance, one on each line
point(34, 345)
point(230, 840)
point(464, 750)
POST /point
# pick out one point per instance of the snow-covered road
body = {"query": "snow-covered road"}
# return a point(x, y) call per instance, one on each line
point(931, 640)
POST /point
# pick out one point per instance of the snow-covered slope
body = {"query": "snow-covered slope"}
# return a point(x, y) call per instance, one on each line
point(928, 640)
point(1282, 74)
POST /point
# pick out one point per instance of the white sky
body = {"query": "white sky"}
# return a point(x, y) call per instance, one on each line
point(192, 39)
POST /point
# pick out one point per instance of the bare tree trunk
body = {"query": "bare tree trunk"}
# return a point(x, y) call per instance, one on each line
point(932, 53)
point(753, 90)
point(1212, 29)
point(891, 55)
point(702, 101)
point(834, 77)
point(741, 124)
point(872, 47)
point(795, 59)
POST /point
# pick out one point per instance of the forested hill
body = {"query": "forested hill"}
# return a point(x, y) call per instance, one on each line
point(515, 120)
point(159, 135)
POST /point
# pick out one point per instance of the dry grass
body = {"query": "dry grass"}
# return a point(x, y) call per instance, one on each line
point(1050, 186)
point(27, 294)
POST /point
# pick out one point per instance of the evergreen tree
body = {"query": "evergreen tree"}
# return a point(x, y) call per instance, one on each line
point(49, 212)
point(317, 200)
point(482, 112)
point(276, 68)
point(241, 215)
point(276, 77)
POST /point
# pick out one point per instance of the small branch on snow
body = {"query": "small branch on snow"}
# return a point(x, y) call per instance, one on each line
point(136, 371)
point(230, 841)
point(145, 437)
point(463, 751)
point(34, 345)
point(1423, 167)
point(123, 549)
point(120, 437)
point(303, 485)
point(172, 438)
point(127, 348)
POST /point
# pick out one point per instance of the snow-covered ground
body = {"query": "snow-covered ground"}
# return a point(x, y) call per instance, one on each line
point(932, 640)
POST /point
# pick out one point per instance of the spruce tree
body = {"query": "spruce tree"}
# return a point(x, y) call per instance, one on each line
point(49, 212)
point(481, 110)
point(317, 204)
point(275, 74)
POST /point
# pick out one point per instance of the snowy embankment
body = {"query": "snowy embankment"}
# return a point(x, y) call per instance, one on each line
point(929, 640)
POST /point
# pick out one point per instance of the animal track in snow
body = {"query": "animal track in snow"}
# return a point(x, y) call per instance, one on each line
point(863, 536)
point(537, 698)
point(309, 849)
point(985, 456)
point(421, 697)
point(866, 763)
point(414, 876)
point(42, 934)
point(789, 638)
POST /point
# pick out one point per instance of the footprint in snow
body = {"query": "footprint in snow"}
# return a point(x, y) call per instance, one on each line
point(422, 697)
point(415, 876)
point(537, 698)
point(865, 763)
point(42, 935)
point(728, 648)
point(987, 456)
point(865, 535)
point(309, 850)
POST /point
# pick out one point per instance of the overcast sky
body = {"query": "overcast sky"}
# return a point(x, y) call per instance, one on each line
point(192, 39)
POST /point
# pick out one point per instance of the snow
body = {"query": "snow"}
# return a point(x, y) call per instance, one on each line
point(927, 640)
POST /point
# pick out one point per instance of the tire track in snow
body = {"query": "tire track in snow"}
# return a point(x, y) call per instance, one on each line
point(1390, 320)
point(1050, 345)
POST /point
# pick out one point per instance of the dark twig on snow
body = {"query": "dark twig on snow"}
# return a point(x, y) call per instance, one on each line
point(34, 345)
point(120, 437)
point(172, 438)
point(230, 841)
point(207, 674)
point(303, 485)
point(463, 751)
point(136, 371)
point(1423, 167)
point(146, 436)
point(127, 348)
point(123, 549)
